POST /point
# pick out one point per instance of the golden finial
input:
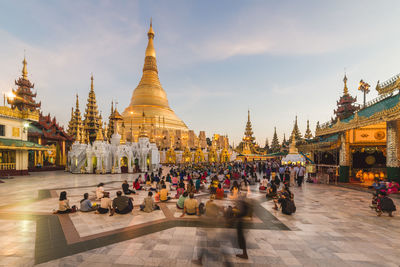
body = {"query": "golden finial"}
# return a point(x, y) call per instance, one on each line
point(91, 82)
point(77, 101)
point(150, 51)
point(345, 89)
point(24, 69)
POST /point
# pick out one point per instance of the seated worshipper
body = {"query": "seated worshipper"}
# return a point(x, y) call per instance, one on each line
point(168, 179)
point(180, 190)
point(263, 184)
point(214, 185)
point(175, 181)
point(393, 187)
point(164, 194)
point(197, 185)
point(181, 200)
point(220, 193)
point(125, 188)
point(122, 204)
point(385, 204)
point(148, 203)
point(190, 206)
point(234, 190)
point(212, 209)
point(190, 187)
point(137, 185)
point(99, 191)
point(153, 186)
point(105, 204)
point(286, 201)
point(157, 196)
point(63, 204)
point(227, 182)
point(86, 205)
point(141, 180)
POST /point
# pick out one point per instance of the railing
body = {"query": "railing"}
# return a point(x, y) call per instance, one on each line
point(7, 166)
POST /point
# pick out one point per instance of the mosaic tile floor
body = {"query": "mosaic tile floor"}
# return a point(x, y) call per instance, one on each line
point(333, 226)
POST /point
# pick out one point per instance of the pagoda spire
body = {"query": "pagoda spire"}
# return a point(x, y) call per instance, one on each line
point(296, 132)
point(91, 114)
point(345, 89)
point(71, 122)
point(275, 147)
point(248, 134)
point(24, 69)
point(308, 134)
point(76, 122)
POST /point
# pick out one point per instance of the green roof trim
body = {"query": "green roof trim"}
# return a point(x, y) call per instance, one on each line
point(382, 105)
point(20, 144)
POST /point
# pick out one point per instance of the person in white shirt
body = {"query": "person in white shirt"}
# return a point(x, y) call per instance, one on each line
point(100, 191)
point(300, 175)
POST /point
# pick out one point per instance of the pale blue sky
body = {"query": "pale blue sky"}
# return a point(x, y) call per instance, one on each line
point(216, 59)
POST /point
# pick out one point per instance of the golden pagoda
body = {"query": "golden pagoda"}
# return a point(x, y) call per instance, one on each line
point(91, 114)
point(150, 97)
point(308, 134)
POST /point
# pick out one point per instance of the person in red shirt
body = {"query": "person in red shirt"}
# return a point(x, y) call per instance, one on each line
point(220, 194)
point(137, 185)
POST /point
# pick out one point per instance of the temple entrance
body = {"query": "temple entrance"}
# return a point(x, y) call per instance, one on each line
point(136, 165)
point(94, 164)
point(368, 163)
point(124, 165)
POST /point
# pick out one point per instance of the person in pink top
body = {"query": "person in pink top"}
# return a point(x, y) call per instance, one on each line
point(393, 187)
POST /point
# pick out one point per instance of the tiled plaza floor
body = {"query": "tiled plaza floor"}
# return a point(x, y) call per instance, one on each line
point(333, 226)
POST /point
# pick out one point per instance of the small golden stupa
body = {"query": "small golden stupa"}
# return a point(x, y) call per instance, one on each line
point(150, 98)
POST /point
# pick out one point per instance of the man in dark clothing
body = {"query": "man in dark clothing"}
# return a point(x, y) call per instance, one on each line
point(122, 204)
point(125, 188)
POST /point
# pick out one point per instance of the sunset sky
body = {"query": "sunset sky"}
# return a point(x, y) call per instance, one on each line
point(216, 59)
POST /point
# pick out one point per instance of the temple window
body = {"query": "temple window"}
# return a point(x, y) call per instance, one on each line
point(2, 130)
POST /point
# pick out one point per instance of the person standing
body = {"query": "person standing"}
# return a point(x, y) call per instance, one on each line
point(300, 175)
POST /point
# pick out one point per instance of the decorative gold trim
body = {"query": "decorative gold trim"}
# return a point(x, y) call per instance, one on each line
point(15, 113)
point(360, 121)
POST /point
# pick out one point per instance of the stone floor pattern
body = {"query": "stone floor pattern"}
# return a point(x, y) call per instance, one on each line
point(333, 226)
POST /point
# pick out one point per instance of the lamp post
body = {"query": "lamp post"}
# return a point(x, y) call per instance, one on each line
point(131, 126)
point(364, 87)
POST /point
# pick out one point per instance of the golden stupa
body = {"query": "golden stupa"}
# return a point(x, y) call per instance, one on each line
point(149, 98)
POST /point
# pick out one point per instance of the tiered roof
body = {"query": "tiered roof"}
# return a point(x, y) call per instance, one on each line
point(24, 97)
point(92, 114)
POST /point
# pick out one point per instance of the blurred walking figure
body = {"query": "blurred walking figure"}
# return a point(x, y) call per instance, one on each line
point(242, 210)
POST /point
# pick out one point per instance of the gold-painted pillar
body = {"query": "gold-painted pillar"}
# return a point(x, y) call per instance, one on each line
point(392, 150)
point(344, 158)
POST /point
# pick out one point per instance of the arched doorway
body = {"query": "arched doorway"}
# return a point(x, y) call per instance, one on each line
point(124, 165)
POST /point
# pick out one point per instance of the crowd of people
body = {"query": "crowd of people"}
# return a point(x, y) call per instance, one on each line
point(381, 202)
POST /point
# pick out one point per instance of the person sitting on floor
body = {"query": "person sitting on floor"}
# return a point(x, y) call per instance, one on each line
point(148, 203)
point(105, 204)
point(198, 185)
point(86, 205)
point(393, 187)
point(125, 188)
point(164, 194)
point(137, 185)
point(385, 204)
point(122, 204)
point(181, 200)
point(63, 204)
point(190, 187)
point(180, 190)
point(220, 193)
point(174, 181)
point(99, 191)
point(227, 182)
point(212, 209)
point(190, 206)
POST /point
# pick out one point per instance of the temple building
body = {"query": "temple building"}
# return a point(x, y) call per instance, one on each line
point(148, 112)
point(364, 142)
point(29, 141)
